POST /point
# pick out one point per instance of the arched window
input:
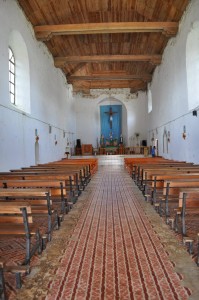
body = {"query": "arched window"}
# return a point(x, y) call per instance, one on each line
point(12, 76)
point(192, 64)
point(19, 80)
point(149, 94)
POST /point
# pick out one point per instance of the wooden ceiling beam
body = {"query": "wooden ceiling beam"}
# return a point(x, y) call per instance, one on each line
point(111, 77)
point(75, 69)
point(60, 62)
point(110, 85)
point(45, 32)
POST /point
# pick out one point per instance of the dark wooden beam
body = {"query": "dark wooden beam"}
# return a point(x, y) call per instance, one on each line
point(62, 61)
point(134, 85)
point(111, 77)
point(45, 32)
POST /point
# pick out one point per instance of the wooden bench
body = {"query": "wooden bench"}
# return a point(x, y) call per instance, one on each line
point(84, 176)
point(188, 204)
point(76, 175)
point(129, 162)
point(140, 173)
point(16, 220)
point(157, 181)
point(71, 181)
point(92, 162)
point(171, 192)
point(58, 192)
point(41, 205)
point(153, 183)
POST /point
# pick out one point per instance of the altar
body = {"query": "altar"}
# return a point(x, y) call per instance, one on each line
point(108, 150)
point(111, 150)
point(120, 149)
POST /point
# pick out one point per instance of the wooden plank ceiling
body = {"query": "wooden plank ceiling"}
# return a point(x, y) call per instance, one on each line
point(105, 43)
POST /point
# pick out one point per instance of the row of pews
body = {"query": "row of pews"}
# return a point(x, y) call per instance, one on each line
point(172, 187)
point(33, 203)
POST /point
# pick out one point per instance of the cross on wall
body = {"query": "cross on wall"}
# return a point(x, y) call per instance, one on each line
point(110, 113)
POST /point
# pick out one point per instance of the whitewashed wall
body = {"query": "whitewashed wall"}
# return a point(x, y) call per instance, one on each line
point(170, 109)
point(134, 118)
point(50, 98)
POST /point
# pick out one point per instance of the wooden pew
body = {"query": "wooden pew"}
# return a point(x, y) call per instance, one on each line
point(82, 170)
point(188, 203)
point(129, 162)
point(141, 171)
point(188, 206)
point(92, 162)
point(157, 181)
point(16, 220)
point(71, 181)
point(58, 192)
point(78, 175)
point(171, 192)
point(149, 174)
point(41, 205)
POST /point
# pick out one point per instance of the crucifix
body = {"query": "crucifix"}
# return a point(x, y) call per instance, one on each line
point(110, 113)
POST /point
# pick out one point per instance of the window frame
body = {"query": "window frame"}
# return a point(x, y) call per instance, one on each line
point(12, 73)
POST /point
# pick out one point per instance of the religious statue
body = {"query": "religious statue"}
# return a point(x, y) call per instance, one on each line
point(121, 139)
point(110, 113)
point(102, 141)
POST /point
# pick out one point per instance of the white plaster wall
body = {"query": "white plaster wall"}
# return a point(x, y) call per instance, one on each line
point(170, 98)
point(50, 96)
point(134, 115)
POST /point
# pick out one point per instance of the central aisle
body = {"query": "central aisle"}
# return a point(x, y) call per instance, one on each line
point(114, 252)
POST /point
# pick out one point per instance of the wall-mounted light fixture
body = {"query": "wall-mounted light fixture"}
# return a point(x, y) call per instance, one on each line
point(36, 135)
point(55, 138)
point(168, 136)
point(152, 139)
point(184, 132)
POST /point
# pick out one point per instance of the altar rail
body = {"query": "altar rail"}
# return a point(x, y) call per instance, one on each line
point(125, 150)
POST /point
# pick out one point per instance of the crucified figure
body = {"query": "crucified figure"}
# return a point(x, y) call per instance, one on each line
point(110, 113)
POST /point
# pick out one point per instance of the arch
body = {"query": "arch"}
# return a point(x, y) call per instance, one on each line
point(22, 82)
point(115, 101)
point(192, 65)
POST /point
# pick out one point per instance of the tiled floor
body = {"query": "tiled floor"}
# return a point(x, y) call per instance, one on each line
point(113, 249)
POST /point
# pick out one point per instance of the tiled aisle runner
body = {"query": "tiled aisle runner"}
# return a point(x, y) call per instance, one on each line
point(114, 252)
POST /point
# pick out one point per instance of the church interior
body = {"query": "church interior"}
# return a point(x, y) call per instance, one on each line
point(99, 167)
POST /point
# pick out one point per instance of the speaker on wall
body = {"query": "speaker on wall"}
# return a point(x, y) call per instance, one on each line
point(78, 143)
point(194, 113)
point(144, 143)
